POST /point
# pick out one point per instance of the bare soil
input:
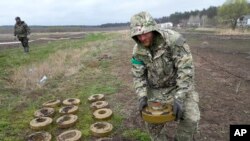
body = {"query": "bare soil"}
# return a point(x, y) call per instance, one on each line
point(222, 78)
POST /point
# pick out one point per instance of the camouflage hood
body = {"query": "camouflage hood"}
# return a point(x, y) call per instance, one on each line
point(142, 23)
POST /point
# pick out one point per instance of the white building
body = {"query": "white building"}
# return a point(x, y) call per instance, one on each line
point(244, 21)
point(167, 25)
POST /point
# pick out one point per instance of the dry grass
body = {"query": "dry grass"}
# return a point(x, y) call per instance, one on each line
point(233, 32)
point(63, 62)
point(224, 31)
point(206, 29)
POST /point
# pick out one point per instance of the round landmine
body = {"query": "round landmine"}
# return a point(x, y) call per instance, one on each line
point(158, 114)
point(45, 112)
point(71, 109)
point(40, 136)
point(66, 121)
point(71, 101)
point(101, 129)
point(103, 114)
point(96, 97)
point(70, 135)
point(52, 103)
point(40, 123)
point(99, 105)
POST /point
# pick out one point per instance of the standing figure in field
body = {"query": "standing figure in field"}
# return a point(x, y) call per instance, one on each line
point(21, 31)
point(163, 72)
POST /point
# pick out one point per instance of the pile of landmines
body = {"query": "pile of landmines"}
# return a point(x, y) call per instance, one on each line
point(43, 120)
point(101, 113)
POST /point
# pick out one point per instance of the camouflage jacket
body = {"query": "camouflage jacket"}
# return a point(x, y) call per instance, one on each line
point(21, 30)
point(167, 64)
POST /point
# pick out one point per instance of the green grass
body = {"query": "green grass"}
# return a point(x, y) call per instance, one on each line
point(17, 106)
point(12, 58)
point(137, 134)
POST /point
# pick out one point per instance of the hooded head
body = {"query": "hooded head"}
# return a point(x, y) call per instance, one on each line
point(18, 20)
point(142, 23)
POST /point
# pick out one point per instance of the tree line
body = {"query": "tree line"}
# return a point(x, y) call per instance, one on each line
point(175, 18)
point(227, 14)
point(178, 17)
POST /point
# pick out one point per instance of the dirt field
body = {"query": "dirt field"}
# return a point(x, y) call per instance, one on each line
point(222, 66)
point(223, 82)
point(222, 77)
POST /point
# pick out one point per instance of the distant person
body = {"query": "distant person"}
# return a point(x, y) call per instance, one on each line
point(22, 30)
point(163, 73)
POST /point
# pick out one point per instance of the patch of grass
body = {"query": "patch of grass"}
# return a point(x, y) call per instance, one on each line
point(13, 58)
point(4, 123)
point(116, 122)
point(233, 32)
point(202, 30)
point(95, 37)
point(18, 104)
point(137, 134)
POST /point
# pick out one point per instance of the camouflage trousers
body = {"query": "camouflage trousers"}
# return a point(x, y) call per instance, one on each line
point(186, 127)
point(25, 43)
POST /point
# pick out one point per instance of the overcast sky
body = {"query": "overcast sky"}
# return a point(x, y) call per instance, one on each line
point(92, 12)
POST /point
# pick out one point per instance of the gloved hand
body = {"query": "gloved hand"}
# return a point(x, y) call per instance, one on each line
point(143, 102)
point(178, 109)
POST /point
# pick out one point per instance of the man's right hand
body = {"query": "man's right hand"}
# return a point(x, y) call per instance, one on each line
point(143, 102)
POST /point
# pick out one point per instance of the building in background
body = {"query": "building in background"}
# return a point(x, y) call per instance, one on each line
point(244, 21)
point(167, 25)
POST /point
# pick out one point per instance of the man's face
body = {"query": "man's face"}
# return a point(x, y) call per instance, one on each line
point(146, 39)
